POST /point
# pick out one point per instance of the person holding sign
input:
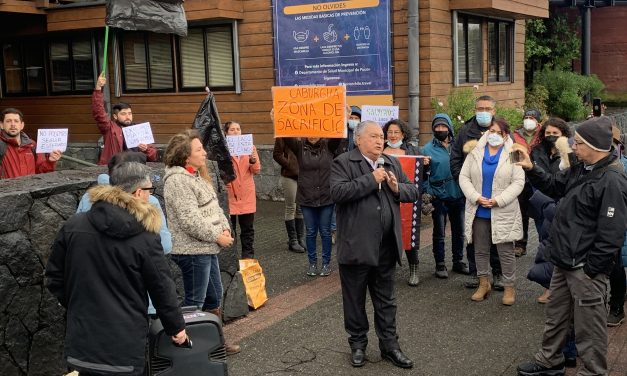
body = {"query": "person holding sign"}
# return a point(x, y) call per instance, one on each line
point(18, 155)
point(242, 196)
point(111, 130)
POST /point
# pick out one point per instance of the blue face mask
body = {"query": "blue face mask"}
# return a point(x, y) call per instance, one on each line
point(484, 118)
point(395, 145)
point(352, 123)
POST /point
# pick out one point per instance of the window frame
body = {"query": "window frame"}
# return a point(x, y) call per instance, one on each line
point(69, 40)
point(509, 28)
point(234, 57)
point(24, 92)
point(465, 18)
point(145, 35)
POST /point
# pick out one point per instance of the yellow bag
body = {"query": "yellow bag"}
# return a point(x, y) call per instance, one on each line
point(254, 282)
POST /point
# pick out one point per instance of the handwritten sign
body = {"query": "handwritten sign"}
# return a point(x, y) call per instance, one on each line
point(240, 145)
point(379, 114)
point(49, 140)
point(138, 134)
point(309, 111)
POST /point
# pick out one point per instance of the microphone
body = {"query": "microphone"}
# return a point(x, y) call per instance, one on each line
point(380, 163)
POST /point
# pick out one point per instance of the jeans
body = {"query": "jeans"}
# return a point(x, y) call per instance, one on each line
point(201, 280)
point(455, 211)
point(318, 219)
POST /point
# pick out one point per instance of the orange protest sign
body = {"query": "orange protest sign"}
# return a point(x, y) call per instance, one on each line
point(309, 111)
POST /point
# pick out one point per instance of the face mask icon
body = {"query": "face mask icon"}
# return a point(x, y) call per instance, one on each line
point(300, 36)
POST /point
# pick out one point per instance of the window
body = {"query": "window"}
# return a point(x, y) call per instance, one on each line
point(499, 51)
point(206, 58)
point(23, 68)
point(469, 56)
point(147, 59)
point(72, 65)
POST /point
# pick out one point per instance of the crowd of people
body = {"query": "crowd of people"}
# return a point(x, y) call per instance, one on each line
point(487, 180)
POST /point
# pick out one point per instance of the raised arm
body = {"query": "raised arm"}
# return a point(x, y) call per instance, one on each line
point(97, 106)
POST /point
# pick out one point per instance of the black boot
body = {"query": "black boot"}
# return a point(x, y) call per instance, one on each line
point(292, 243)
point(300, 230)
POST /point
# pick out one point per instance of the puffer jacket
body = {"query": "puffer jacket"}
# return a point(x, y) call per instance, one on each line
point(439, 182)
point(509, 180)
point(101, 266)
point(195, 217)
point(242, 195)
point(544, 209)
point(470, 131)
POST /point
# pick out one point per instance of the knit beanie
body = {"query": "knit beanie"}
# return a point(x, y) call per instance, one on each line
point(596, 133)
point(533, 113)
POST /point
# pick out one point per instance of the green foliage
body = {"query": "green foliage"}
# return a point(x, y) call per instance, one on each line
point(514, 116)
point(536, 97)
point(550, 43)
point(565, 92)
point(460, 106)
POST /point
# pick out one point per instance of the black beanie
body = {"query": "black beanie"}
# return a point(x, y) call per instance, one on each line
point(596, 133)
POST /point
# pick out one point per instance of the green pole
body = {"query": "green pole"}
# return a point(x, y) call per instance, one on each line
point(106, 44)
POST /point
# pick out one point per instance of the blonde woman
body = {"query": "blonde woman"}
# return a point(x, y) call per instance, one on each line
point(491, 184)
point(199, 228)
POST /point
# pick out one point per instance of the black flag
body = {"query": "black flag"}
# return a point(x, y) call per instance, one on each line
point(207, 122)
point(159, 16)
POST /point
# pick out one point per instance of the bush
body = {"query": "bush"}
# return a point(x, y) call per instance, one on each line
point(566, 91)
point(536, 97)
point(460, 106)
point(513, 116)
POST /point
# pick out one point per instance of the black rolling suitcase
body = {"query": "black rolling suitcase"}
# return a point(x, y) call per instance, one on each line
point(203, 355)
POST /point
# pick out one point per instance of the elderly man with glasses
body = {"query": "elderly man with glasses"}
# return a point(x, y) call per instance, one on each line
point(586, 234)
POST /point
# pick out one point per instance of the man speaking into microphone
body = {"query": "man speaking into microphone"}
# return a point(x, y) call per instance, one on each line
point(368, 187)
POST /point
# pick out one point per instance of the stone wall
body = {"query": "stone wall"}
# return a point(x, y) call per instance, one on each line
point(32, 210)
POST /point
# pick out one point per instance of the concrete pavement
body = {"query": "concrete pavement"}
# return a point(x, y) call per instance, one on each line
point(300, 329)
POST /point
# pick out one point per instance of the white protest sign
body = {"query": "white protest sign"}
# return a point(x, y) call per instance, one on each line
point(138, 134)
point(240, 145)
point(49, 140)
point(379, 114)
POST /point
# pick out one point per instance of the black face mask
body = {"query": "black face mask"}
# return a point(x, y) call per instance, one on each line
point(441, 135)
point(550, 140)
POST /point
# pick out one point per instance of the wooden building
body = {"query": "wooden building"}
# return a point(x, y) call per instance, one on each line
point(52, 52)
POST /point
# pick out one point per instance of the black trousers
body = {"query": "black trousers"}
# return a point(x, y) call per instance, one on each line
point(379, 281)
point(617, 286)
point(247, 233)
point(523, 203)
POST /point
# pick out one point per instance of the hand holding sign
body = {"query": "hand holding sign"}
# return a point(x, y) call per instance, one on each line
point(136, 135)
point(240, 145)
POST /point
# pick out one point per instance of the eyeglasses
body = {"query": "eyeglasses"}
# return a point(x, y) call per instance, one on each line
point(484, 109)
point(151, 189)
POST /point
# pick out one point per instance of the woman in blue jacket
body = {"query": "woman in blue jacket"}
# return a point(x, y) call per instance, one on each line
point(448, 197)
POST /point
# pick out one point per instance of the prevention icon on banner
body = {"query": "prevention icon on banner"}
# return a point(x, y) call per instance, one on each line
point(309, 111)
point(49, 140)
point(138, 134)
point(240, 145)
point(379, 114)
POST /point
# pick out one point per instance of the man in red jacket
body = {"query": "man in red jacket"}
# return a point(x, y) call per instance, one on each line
point(17, 150)
point(111, 130)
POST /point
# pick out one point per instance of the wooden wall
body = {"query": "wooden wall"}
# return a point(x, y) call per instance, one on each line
point(173, 112)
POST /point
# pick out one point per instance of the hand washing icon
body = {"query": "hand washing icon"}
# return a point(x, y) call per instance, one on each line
point(330, 36)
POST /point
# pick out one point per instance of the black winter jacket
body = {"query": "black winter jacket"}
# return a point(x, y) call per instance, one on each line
point(314, 169)
point(101, 265)
point(470, 131)
point(591, 216)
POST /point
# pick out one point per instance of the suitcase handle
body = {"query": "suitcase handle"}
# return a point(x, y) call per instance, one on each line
point(186, 345)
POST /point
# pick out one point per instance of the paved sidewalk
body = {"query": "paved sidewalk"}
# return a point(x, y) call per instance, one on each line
point(300, 329)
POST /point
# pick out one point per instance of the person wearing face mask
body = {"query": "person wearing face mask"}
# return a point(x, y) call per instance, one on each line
point(449, 199)
point(397, 135)
point(491, 184)
point(348, 144)
point(527, 136)
point(471, 131)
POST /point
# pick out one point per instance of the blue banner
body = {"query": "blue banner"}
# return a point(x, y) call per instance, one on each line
point(333, 43)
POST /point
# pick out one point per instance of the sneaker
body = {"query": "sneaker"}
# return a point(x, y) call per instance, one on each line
point(497, 283)
point(461, 268)
point(519, 251)
point(326, 270)
point(440, 271)
point(615, 318)
point(472, 282)
point(535, 369)
point(313, 270)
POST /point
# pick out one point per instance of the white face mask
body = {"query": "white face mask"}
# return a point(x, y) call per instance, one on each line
point(529, 124)
point(395, 145)
point(352, 123)
point(495, 139)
